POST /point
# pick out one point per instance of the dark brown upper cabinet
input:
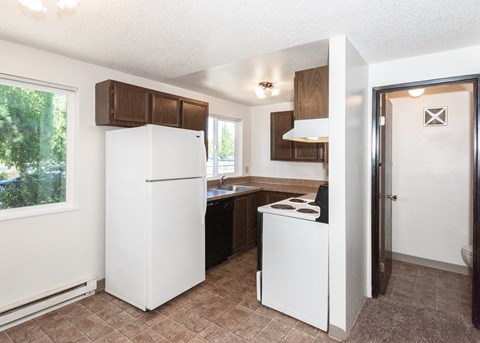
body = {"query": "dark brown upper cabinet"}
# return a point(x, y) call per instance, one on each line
point(308, 152)
point(280, 123)
point(121, 104)
point(311, 93)
point(285, 150)
point(194, 115)
point(166, 110)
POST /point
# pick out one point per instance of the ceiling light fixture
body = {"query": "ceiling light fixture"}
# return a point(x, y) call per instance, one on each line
point(38, 6)
point(416, 92)
point(264, 87)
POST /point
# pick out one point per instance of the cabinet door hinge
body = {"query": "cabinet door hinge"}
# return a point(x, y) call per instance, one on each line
point(382, 267)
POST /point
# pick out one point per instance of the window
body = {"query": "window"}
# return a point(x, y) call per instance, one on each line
point(35, 146)
point(223, 146)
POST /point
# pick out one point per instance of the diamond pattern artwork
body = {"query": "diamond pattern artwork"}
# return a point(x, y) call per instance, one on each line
point(434, 116)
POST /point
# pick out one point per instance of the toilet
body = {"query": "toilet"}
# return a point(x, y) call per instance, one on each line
point(467, 255)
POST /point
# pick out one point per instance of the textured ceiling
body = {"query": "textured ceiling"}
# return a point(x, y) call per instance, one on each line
point(237, 81)
point(164, 40)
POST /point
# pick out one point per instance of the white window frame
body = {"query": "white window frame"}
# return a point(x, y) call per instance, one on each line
point(71, 198)
point(238, 146)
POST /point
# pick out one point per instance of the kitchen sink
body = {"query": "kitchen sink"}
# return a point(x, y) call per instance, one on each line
point(214, 192)
point(235, 188)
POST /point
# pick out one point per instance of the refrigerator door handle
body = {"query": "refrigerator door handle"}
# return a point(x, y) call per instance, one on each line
point(205, 200)
point(204, 156)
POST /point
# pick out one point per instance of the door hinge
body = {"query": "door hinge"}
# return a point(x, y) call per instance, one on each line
point(382, 267)
point(382, 121)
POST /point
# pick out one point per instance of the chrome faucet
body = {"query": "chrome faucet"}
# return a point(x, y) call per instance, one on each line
point(222, 180)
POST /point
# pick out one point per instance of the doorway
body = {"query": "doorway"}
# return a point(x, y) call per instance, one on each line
point(382, 196)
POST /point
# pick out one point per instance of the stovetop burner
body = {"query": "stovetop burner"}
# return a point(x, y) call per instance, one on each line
point(283, 206)
point(313, 203)
point(297, 200)
point(307, 210)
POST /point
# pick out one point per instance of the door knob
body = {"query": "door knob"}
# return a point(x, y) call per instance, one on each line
point(393, 197)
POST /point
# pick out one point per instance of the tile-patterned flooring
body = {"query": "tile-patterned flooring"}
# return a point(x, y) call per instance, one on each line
point(431, 288)
point(221, 309)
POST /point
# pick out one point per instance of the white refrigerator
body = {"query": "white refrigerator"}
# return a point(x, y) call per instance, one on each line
point(155, 213)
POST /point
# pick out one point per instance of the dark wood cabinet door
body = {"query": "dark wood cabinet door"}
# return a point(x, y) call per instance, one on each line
point(280, 123)
point(252, 232)
point(324, 153)
point(311, 93)
point(194, 116)
point(271, 196)
point(307, 152)
point(130, 103)
point(165, 110)
point(241, 222)
point(125, 105)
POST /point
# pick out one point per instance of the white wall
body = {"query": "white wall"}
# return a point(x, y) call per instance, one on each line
point(44, 252)
point(356, 120)
point(347, 242)
point(260, 151)
point(432, 171)
point(426, 67)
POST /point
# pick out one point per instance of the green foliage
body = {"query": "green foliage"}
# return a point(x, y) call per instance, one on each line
point(36, 188)
point(227, 144)
point(32, 139)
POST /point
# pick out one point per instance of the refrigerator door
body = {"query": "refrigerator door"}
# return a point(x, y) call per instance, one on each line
point(175, 238)
point(174, 153)
point(125, 215)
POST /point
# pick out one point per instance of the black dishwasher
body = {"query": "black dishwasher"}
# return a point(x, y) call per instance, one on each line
point(218, 231)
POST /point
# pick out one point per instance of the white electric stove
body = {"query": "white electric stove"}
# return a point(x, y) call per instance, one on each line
point(301, 208)
point(292, 273)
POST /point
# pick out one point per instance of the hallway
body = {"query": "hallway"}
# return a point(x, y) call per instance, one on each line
point(421, 305)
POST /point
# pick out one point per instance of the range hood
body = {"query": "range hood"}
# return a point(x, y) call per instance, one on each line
point(309, 131)
point(310, 101)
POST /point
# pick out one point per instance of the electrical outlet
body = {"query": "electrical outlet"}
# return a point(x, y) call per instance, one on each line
point(247, 169)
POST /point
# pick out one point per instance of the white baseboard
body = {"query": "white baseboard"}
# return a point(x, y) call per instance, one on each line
point(336, 333)
point(35, 306)
point(449, 267)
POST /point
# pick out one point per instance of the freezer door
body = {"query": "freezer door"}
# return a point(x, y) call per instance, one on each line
point(175, 239)
point(174, 153)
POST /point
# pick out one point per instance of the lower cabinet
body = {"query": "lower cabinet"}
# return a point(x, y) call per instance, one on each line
point(231, 224)
point(245, 221)
point(218, 231)
point(271, 196)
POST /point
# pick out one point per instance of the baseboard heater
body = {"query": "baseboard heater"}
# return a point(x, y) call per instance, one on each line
point(27, 309)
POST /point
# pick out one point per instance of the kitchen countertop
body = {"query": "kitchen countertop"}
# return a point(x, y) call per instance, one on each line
point(298, 186)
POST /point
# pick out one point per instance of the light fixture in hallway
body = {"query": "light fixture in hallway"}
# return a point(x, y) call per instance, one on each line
point(416, 92)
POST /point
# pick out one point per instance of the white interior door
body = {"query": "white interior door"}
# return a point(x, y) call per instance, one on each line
point(176, 238)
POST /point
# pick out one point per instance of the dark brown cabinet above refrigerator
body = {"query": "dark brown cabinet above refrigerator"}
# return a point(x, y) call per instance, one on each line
point(125, 105)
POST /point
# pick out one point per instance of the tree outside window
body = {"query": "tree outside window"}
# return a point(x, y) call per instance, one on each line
point(33, 128)
point(221, 146)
